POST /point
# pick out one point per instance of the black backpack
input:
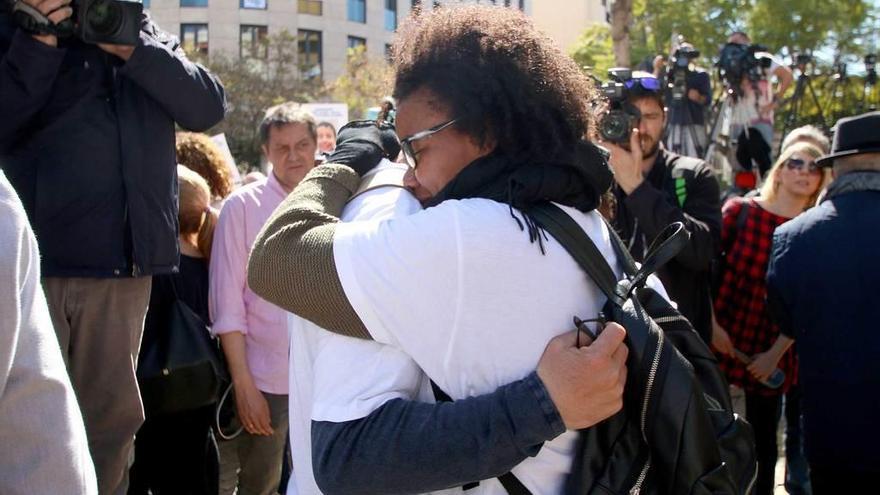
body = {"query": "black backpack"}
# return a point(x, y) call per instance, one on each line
point(677, 433)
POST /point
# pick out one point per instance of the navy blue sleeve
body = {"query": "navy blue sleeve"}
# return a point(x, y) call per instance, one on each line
point(413, 447)
point(187, 91)
point(28, 69)
point(776, 300)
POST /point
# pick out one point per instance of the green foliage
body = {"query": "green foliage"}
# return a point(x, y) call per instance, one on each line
point(785, 26)
point(255, 84)
point(363, 83)
point(593, 50)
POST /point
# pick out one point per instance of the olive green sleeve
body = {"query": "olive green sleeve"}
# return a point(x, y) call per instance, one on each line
point(291, 263)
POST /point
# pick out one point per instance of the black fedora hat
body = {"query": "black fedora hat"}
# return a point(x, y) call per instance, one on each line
point(854, 135)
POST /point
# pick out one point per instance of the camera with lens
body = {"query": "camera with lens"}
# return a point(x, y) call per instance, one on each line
point(738, 62)
point(680, 66)
point(871, 69)
point(621, 117)
point(115, 22)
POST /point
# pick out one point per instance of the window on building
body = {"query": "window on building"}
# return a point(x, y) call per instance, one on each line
point(415, 3)
point(311, 7)
point(522, 5)
point(388, 53)
point(357, 10)
point(355, 42)
point(253, 4)
point(309, 53)
point(146, 4)
point(391, 15)
point(193, 3)
point(252, 41)
point(194, 38)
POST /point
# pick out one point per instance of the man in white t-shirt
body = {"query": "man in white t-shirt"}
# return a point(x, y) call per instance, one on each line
point(469, 288)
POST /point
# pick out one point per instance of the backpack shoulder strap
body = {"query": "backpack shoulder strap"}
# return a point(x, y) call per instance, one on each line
point(567, 232)
point(742, 216)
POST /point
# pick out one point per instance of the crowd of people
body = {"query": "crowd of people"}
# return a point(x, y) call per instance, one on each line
point(382, 311)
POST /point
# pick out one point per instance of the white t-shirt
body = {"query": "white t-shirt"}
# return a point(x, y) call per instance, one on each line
point(747, 111)
point(337, 378)
point(462, 291)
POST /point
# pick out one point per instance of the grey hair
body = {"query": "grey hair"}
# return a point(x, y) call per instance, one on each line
point(853, 163)
point(286, 113)
point(809, 133)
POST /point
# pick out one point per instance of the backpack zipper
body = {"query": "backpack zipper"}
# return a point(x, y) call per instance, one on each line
point(652, 374)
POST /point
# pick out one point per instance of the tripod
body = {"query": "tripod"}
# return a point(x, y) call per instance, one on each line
point(719, 138)
point(870, 98)
point(796, 103)
point(838, 92)
point(682, 128)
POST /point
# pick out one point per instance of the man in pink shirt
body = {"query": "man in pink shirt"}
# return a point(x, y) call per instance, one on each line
point(253, 332)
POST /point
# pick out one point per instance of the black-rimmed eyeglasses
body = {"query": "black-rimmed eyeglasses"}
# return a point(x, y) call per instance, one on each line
point(406, 144)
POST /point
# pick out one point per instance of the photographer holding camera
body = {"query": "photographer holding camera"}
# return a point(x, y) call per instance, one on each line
point(747, 70)
point(90, 93)
point(688, 99)
point(655, 187)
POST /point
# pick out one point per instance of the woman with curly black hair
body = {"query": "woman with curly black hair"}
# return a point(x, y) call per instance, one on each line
point(492, 118)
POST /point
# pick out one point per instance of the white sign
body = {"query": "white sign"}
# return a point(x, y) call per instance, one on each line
point(335, 113)
point(220, 141)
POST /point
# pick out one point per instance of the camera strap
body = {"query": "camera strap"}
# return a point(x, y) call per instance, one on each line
point(31, 20)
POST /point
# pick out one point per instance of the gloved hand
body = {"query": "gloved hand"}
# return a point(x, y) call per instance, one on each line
point(361, 144)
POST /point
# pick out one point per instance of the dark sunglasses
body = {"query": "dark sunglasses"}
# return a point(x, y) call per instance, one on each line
point(798, 164)
point(406, 144)
point(647, 83)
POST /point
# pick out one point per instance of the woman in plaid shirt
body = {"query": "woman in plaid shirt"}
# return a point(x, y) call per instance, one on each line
point(743, 320)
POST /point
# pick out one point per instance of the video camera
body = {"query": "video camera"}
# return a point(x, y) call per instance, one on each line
point(115, 22)
point(617, 122)
point(679, 67)
point(737, 62)
point(871, 69)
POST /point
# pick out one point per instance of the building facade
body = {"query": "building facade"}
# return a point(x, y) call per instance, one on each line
point(324, 29)
point(566, 20)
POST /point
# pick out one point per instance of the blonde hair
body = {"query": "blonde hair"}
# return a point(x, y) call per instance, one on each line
point(771, 185)
point(195, 214)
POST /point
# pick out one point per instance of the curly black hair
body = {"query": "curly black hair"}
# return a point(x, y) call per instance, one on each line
point(500, 77)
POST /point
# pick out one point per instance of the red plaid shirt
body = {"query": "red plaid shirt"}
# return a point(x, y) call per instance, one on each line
point(741, 304)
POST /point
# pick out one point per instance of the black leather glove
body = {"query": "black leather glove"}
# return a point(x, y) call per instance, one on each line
point(361, 144)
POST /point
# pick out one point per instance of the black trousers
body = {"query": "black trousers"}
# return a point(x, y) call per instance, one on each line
point(176, 454)
point(832, 481)
point(763, 412)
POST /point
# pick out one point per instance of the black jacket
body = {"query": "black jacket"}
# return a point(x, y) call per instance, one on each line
point(640, 216)
point(87, 140)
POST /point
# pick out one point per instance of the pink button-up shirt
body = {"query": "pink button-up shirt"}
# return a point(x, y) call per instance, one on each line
point(234, 306)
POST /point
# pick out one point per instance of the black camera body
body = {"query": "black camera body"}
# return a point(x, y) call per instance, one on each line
point(115, 22)
point(618, 121)
point(738, 62)
point(680, 67)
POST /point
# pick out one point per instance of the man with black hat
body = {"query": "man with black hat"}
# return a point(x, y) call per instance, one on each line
point(821, 290)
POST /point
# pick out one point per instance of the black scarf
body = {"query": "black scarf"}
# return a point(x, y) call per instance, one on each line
point(578, 180)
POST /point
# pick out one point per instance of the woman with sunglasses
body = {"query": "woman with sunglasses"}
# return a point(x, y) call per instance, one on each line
point(744, 325)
